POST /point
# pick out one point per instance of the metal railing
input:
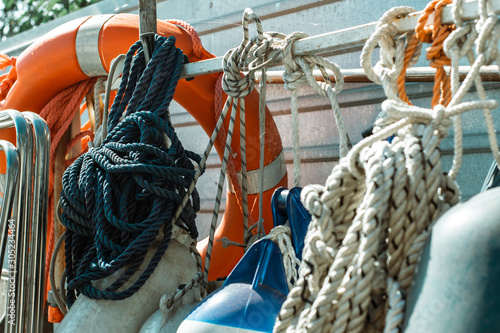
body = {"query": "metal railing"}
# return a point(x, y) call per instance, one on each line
point(24, 219)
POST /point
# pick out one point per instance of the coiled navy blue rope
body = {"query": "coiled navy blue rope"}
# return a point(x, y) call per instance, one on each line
point(117, 199)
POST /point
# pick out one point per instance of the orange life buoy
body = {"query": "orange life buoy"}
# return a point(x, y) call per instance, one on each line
point(84, 48)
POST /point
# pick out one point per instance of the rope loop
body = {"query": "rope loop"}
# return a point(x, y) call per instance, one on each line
point(299, 72)
point(389, 66)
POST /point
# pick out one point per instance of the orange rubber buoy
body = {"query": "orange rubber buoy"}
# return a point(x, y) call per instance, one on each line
point(84, 48)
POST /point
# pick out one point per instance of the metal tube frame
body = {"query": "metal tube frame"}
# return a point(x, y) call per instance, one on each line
point(36, 268)
point(30, 195)
point(24, 139)
point(9, 195)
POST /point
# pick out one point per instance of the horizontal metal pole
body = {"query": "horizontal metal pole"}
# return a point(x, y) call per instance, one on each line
point(345, 38)
point(415, 74)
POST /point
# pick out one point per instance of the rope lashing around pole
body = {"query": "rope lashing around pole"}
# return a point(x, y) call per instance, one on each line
point(119, 199)
point(299, 72)
point(252, 52)
point(374, 214)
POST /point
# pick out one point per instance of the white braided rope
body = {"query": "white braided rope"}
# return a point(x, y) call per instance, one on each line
point(371, 219)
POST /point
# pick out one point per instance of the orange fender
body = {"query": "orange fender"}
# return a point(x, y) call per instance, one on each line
point(51, 64)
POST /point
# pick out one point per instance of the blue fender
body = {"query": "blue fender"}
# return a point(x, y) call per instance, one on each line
point(252, 295)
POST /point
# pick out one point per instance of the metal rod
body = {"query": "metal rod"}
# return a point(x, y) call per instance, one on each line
point(39, 225)
point(415, 74)
point(357, 75)
point(9, 192)
point(345, 38)
point(147, 26)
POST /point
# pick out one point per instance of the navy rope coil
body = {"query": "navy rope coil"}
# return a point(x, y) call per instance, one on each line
point(118, 199)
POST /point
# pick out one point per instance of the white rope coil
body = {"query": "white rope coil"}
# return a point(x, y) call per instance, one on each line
point(371, 219)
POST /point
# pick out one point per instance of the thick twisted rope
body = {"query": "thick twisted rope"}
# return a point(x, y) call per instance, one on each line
point(119, 199)
point(373, 216)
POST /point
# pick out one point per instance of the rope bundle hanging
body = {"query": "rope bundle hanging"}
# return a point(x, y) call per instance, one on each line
point(260, 52)
point(374, 214)
point(119, 199)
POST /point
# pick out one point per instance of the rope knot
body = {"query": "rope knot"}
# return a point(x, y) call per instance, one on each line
point(311, 199)
point(255, 53)
point(440, 121)
point(460, 41)
point(233, 83)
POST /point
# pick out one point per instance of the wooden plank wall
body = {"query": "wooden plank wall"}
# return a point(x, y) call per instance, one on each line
point(217, 22)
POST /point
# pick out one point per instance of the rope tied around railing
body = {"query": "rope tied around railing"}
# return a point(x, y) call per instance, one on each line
point(387, 70)
point(119, 199)
point(371, 219)
point(436, 35)
point(299, 72)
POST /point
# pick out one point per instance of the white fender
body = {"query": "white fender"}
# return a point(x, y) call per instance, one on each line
point(178, 266)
